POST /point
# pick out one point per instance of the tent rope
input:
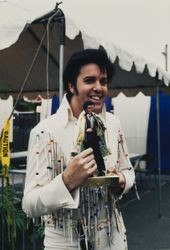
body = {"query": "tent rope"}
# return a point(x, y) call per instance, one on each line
point(28, 73)
point(33, 61)
point(47, 60)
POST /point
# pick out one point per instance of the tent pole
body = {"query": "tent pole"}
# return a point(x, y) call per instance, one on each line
point(61, 63)
point(61, 57)
point(158, 151)
point(165, 54)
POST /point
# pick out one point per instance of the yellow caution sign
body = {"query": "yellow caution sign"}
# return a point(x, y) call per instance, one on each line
point(5, 147)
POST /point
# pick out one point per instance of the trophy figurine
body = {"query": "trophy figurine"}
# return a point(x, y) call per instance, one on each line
point(91, 132)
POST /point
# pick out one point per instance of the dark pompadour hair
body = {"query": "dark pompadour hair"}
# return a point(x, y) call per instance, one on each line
point(81, 58)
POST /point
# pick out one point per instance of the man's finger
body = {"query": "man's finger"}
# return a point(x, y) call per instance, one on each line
point(112, 170)
point(89, 158)
point(86, 152)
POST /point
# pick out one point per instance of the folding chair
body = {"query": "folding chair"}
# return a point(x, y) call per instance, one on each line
point(140, 168)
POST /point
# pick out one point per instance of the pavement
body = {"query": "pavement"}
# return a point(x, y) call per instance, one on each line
point(148, 220)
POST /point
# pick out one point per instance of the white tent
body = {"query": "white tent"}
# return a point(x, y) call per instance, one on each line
point(139, 26)
point(129, 30)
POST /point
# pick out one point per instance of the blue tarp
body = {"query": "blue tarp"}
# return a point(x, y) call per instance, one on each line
point(152, 143)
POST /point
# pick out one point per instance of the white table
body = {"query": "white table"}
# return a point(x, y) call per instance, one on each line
point(20, 173)
point(21, 154)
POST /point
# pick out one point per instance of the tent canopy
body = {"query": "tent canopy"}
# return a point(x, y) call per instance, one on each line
point(133, 73)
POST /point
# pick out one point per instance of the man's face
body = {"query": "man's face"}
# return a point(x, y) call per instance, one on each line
point(91, 86)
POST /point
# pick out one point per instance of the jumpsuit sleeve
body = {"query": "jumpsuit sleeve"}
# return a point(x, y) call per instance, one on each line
point(124, 164)
point(43, 195)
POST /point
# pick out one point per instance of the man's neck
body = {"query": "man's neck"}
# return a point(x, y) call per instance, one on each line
point(75, 107)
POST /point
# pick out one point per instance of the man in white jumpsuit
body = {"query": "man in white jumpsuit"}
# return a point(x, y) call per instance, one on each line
point(75, 216)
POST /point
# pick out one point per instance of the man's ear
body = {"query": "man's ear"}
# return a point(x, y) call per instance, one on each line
point(71, 88)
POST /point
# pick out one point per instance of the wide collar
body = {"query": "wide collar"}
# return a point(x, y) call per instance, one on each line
point(65, 112)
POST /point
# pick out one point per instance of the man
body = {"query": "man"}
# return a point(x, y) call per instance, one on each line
point(55, 179)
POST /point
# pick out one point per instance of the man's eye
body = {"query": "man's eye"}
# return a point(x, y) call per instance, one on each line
point(103, 81)
point(89, 80)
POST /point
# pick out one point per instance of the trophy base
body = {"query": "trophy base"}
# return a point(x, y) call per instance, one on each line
point(98, 181)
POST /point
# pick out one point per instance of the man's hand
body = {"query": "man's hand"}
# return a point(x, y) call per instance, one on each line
point(122, 180)
point(79, 169)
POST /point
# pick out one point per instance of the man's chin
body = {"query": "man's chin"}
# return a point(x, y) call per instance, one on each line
point(98, 109)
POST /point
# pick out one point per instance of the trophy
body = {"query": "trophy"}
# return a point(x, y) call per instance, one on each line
point(91, 132)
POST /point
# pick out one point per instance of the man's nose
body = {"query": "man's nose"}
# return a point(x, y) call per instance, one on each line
point(97, 85)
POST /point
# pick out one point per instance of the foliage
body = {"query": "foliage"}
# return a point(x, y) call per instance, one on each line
point(13, 220)
point(11, 215)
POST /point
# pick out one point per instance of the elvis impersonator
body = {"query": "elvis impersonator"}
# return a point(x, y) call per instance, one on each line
point(77, 216)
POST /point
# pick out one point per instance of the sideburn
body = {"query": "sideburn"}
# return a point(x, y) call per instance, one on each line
point(76, 90)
